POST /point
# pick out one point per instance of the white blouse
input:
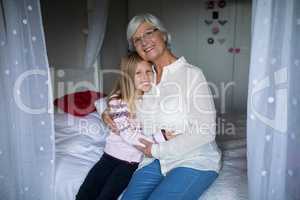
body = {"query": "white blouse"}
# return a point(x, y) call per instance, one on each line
point(182, 102)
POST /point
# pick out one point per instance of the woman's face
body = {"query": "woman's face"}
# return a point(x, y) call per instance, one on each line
point(149, 42)
point(143, 77)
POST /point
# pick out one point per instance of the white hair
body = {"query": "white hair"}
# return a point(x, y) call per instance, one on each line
point(149, 18)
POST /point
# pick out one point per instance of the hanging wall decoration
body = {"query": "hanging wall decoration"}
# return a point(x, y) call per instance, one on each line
point(210, 5)
point(215, 15)
point(221, 40)
point(222, 4)
point(210, 40)
point(222, 22)
point(208, 22)
point(215, 30)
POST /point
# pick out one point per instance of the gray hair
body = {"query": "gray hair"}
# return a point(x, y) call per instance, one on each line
point(149, 18)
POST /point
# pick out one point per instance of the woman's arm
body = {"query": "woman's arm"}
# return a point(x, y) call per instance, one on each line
point(147, 146)
point(106, 118)
point(103, 110)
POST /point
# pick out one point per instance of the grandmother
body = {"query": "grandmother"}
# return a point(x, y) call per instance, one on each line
point(180, 102)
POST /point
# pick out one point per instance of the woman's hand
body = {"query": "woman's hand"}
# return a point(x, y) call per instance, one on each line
point(147, 149)
point(109, 121)
point(169, 135)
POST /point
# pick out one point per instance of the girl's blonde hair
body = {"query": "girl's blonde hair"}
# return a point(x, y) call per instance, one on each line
point(124, 88)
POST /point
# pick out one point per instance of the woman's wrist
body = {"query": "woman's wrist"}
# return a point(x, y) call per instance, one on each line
point(163, 132)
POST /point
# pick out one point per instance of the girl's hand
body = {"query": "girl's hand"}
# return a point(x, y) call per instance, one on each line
point(109, 122)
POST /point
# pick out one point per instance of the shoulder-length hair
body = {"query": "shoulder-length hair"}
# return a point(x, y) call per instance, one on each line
point(124, 88)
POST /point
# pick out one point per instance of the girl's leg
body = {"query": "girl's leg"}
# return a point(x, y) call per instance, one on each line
point(143, 182)
point(184, 184)
point(117, 181)
point(96, 178)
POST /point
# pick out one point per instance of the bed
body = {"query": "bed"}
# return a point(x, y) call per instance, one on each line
point(80, 143)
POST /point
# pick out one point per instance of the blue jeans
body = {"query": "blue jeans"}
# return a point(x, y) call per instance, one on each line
point(180, 183)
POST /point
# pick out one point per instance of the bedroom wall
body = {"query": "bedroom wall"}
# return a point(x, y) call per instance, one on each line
point(64, 22)
point(185, 20)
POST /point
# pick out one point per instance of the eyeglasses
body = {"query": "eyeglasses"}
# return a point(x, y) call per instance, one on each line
point(146, 36)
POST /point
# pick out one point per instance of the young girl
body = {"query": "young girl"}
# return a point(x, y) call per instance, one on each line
point(112, 173)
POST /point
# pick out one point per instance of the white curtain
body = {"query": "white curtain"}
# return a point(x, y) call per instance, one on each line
point(274, 101)
point(97, 28)
point(27, 133)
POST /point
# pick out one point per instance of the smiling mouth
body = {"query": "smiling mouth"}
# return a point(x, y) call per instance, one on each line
point(147, 50)
point(146, 83)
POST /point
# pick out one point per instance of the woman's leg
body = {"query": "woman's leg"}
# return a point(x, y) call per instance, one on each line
point(143, 182)
point(96, 178)
point(117, 181)
point(184, 184)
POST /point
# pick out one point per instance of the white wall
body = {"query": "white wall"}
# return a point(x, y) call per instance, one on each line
point(64, 21)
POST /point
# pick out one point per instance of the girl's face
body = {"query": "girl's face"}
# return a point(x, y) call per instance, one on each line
point(149, 42)
point(143, 77)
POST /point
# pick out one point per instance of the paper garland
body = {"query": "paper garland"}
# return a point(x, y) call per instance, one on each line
point(212, 5)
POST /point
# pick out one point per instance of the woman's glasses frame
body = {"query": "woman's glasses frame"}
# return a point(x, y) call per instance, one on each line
point(146, 36)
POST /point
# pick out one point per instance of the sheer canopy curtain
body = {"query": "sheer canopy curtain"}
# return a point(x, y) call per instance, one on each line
point(27, 133)
point(97, 28)
point(274, 101)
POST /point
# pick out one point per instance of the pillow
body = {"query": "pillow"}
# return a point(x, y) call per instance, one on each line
point(78, 103)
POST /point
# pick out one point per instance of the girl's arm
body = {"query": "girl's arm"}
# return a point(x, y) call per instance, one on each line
point(130, 133)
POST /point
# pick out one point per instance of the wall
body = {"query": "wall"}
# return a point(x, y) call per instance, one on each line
point(64, 22)
point(185, 20)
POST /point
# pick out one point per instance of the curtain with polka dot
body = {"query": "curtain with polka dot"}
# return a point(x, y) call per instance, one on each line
point(27, 157)
point(273, 131)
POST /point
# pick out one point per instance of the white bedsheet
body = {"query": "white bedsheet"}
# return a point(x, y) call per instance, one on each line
point(232, 181)
point(79, 145)
point(78, 148)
